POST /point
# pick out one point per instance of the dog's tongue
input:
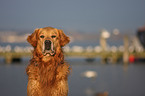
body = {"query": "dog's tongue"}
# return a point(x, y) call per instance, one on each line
point(51, 52)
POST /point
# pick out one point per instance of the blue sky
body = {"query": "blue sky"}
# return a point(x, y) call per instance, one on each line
point(84, 15)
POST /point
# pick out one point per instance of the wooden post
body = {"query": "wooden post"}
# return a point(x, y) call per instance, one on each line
point(8, 58)
point(126, 53)
point(103, 45)
point(114, 58)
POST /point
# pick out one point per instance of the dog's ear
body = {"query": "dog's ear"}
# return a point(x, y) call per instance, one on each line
point(32, 39)
point(63, 38)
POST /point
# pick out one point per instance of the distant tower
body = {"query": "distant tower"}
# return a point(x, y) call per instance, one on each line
point(104, 35)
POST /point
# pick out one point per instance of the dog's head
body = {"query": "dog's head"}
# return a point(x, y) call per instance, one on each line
point(47, 41)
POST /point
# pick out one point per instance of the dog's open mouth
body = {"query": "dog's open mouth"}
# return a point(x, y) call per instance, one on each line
point(48, 48)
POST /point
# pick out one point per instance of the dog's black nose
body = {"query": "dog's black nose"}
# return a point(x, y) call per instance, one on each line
point(47, 44)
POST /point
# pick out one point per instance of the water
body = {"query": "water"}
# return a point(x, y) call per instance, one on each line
point(116, 79)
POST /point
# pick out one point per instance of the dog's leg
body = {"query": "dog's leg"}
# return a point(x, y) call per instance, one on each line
point(62, 89)
point(33, 88)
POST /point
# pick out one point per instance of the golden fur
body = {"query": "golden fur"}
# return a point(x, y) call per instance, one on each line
point(47, 72)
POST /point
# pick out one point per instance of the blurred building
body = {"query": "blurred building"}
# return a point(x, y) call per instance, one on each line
point(12, 37)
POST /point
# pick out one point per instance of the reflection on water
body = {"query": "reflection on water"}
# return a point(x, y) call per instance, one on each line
point(114, 79)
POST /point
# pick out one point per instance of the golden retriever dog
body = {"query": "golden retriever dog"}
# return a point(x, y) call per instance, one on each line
point(47, 71)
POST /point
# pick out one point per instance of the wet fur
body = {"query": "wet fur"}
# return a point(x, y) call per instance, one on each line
point(47, 76)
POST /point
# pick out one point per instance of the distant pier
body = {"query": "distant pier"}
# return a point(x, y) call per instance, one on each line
point(113, 55)
point(130, 50)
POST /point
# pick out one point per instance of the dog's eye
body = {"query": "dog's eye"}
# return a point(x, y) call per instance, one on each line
point(53, 36)
point(42, 36)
